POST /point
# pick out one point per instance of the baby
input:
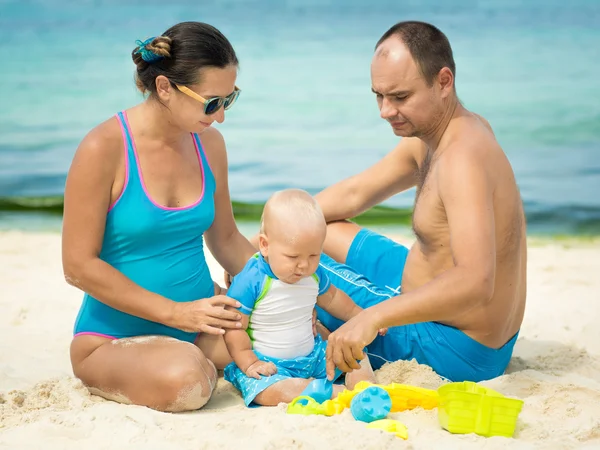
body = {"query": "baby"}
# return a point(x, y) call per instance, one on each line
point(275, 353)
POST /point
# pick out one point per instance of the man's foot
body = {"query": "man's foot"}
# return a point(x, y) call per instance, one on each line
point(337, 389)
point(365, 373)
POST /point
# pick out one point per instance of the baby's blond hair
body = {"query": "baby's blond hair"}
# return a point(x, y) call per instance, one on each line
point(292, 210)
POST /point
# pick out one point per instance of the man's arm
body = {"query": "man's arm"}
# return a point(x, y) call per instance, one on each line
point(337, 303)
point(395, 173)
point(467, 195)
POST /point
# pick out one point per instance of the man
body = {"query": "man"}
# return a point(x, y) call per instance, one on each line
point(456, 300)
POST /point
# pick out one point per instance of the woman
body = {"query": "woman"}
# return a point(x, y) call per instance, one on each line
point(142, 193)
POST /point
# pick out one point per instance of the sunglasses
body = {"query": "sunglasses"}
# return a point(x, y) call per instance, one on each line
point(212, 105)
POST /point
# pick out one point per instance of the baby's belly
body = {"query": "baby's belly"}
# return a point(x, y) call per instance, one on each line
point(283, 343)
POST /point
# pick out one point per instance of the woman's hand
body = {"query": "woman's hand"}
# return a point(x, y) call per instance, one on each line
point(207, 315)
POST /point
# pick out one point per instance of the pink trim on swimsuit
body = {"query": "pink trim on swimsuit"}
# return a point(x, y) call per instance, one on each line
point(91, 333)
point(139, 167)
point(197, 137)
point(126, 146)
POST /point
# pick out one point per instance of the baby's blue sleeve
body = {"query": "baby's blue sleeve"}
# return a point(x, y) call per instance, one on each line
point(246, 285)
point(324, 282)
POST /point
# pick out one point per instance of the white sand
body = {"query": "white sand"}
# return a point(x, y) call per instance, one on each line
point(555, 370)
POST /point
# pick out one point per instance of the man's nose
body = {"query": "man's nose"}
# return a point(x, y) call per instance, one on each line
point(387, 110)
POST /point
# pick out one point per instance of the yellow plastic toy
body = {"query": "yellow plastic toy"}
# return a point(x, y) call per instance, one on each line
point(306, 406)
point(462, 407)
point(469, 408)
point(391, 426)
point(403, 397)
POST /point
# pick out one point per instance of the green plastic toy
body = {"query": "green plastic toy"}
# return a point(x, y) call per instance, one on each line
point(467, 407)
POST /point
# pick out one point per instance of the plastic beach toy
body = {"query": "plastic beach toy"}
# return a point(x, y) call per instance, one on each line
point(320, 389)
point(308, 406)
point(403, 397)
point(469, 408)
point(391, 426)
point(372, 404)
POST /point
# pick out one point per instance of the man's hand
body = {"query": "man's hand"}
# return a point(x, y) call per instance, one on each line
point(345, 345)
point(261, 368)
point(314, 322)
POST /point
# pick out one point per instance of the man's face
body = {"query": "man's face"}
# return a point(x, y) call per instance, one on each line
point(405, 100)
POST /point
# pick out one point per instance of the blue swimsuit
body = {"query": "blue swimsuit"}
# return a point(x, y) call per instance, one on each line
point(156, 247)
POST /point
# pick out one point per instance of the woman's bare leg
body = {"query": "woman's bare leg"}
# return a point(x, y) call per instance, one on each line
point(159, 372)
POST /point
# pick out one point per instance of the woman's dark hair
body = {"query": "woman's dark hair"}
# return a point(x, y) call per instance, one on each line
point(179, 54)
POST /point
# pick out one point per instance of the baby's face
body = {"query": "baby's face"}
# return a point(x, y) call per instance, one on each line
point(293, 258)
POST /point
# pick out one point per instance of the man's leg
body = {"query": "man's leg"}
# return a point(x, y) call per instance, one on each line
point(368, 267)
point(339, 239)
point(371, 272)
point(372, 267)
point(376, 257)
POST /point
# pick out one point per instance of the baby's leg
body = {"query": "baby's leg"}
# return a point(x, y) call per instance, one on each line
point(285, 391)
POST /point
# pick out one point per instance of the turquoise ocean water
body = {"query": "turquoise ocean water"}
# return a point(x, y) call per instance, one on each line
point(306, 117)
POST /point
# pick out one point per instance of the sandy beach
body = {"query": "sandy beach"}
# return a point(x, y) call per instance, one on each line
point(555, 370)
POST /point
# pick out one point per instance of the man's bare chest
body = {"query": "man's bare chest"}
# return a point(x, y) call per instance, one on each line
point(430, 223)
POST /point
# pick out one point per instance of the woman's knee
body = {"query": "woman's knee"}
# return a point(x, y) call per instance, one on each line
point(186, 385)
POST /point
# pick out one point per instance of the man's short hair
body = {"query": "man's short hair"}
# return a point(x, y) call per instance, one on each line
point(428, 46)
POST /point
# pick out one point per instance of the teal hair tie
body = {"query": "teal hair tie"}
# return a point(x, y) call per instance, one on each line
point(147, 55)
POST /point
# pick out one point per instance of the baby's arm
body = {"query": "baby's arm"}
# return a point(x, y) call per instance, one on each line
point(240, 348)
point(239, 345)
point(337, 303)
point(246, 288)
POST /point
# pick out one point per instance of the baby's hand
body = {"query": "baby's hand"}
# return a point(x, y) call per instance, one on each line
point(383, 331)
point(261, 368)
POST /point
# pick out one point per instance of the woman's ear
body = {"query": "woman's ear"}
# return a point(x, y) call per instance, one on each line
point(163, 88)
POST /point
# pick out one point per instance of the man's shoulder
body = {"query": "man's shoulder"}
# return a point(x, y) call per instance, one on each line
point(484, 122)
point(472, 140)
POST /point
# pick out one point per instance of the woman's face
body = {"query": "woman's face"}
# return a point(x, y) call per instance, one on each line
point(187, 110)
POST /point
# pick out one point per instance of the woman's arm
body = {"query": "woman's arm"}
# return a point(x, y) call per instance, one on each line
point(87, 199)
point(229, 247)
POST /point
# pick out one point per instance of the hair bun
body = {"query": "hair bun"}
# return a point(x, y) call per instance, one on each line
point(150, 51)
